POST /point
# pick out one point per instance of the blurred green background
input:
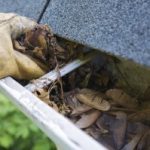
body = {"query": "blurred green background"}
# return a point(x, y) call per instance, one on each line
point(19, 133)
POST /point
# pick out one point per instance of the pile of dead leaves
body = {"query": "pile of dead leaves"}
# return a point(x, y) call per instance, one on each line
point(40, 43)
point(93, 103)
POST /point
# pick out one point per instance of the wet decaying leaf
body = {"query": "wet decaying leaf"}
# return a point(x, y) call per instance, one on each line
point(121, 98)
point(94, 99)
point(89, 96)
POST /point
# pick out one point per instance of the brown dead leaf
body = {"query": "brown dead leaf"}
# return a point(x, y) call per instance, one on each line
point(80, 109)
point(43, 94)
point(38, 38)
point(121, 98)
point(88, 119)
point(41, 43)
point(71, 100)
point(113, 127)
point(53, 105)
point(140, 116)
point(94, 99)
point(118, 129)
point(64, 109)
point(76, 106)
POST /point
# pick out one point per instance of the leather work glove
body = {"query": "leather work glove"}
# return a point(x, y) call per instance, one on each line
point(12, 62)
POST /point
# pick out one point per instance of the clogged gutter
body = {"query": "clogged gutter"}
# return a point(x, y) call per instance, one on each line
point(91, 96)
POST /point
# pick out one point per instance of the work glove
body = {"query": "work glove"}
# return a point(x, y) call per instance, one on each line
point(12, 62)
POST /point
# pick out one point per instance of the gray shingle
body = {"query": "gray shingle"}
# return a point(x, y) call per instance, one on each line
point(118, 27)
point(29, 8)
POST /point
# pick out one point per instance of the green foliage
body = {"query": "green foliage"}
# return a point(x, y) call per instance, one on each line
point(19, 133)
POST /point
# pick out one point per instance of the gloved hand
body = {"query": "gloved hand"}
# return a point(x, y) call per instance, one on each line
point(12, 62)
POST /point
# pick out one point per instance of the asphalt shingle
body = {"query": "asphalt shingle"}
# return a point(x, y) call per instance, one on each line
point(29, 8)
point(119, 27)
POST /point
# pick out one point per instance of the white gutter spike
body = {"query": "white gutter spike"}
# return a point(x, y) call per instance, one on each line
point(53, 75)
point(65, 134)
